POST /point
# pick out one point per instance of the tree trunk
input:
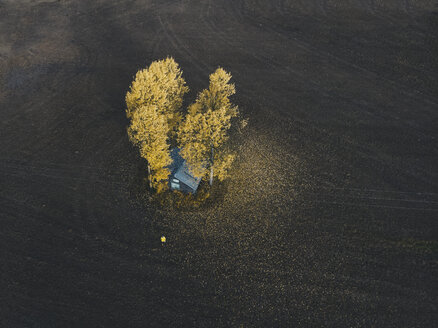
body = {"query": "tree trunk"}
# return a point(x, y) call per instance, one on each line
point(149, 176)
point(211, 167)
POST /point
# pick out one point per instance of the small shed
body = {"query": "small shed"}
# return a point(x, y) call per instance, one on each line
point(180, 177)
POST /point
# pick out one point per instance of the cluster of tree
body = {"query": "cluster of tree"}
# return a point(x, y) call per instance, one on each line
point(154, 107)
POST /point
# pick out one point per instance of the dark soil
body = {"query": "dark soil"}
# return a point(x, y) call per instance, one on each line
point(330, 218)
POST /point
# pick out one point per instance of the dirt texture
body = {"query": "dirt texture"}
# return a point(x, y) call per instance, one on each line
point(329, 219)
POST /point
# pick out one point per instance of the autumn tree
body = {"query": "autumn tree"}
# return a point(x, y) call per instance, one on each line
point(203, 134)
point(149, 131)
point(154, 103)
point(162, 85)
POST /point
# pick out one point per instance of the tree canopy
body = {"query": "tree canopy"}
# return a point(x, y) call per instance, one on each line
point(204, 131)
point(160, 84)
point(149, 131)
point(154, 103)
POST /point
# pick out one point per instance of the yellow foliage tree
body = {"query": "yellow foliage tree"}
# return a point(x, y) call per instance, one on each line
point(222, 164)
point(217, 95)
point(148, 130)
point(162, 85)
point(204, 131)
point(154, 103)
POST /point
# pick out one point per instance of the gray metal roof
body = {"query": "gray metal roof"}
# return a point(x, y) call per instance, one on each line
point(183, 174)
point(181, 171)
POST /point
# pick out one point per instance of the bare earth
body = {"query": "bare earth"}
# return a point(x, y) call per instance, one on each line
point(330, 218)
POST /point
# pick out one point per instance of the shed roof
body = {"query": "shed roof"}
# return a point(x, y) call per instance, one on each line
point(183, 174)
point(181, 171)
